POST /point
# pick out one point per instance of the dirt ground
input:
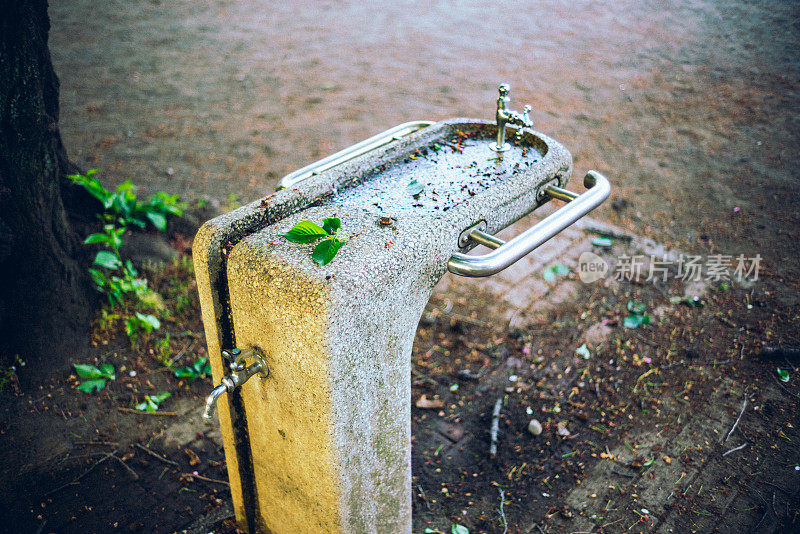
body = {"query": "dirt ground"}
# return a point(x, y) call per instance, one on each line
point(692, 109)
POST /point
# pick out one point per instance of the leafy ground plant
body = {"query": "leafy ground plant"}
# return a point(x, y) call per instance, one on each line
point(152, 402)
point(199, 369)
point(122, 207)
point(330, 231)
point(140, 322)
point(637, 316)
point(94, 377)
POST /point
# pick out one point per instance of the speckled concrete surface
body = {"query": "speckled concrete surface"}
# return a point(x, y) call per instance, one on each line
point(329, 432)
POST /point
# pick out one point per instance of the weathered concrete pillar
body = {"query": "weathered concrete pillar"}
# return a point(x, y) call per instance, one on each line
point(323, 444)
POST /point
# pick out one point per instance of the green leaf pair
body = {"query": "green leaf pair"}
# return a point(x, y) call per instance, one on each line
point(152, 402)
point(95, 377)
point(307, 232)
point(637, 316)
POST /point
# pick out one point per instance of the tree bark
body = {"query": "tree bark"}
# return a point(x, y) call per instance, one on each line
point(46, 299)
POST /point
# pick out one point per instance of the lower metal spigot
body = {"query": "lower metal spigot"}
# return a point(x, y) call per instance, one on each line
point(241, 375)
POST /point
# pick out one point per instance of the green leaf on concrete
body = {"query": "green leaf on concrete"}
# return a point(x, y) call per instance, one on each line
point(783, 375)
point(89, 386)
point(305, 232)
point(414, 188)
point(331, 225)
point(459, 529)
point(602, 242)
point(325, 251)
point(107, 259)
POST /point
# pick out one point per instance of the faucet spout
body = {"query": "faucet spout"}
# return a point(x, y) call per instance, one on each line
point(240, 375)
point(211, 400)
point(506, 116)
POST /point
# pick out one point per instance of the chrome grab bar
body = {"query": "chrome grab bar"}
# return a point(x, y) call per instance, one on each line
point(507, 253)
point(392, 134)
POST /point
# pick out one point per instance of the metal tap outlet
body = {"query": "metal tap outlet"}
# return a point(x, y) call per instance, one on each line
point(506, 116)
point(240, 374)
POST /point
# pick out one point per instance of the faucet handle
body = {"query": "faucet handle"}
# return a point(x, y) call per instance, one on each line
point(526, 119)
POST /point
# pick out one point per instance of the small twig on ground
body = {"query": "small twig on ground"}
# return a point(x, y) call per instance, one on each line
point(495, 426)
point(126, 466)
point(466, 373)
point(424, 497)
point(201, 477)
point(766, 508)
point(714, 362)
point(775, 486)
point(725, 321)
point(155, 454)
point(780, 352)
point(742, 446)
point(178, 356)
point(502, 513)
point(140, 412)
point(620, 473)
point(744, 405)
point(108, 443)
point(98, 462)
point(423, 377)
point(645, 341)
point(612, 523)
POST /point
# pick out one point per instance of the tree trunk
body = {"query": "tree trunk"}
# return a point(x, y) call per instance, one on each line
point(46, 298)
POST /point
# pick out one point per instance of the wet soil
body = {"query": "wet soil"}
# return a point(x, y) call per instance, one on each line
point(691, 109)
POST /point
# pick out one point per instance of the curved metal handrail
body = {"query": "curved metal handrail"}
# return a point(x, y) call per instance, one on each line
point(507, 253)
point(392, 134)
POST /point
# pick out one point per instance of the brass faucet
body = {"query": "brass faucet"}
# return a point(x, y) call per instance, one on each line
point(241, 374)
point(506, 116)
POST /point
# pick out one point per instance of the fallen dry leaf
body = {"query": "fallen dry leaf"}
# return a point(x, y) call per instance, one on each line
point(193, 458)
point(425, 403)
